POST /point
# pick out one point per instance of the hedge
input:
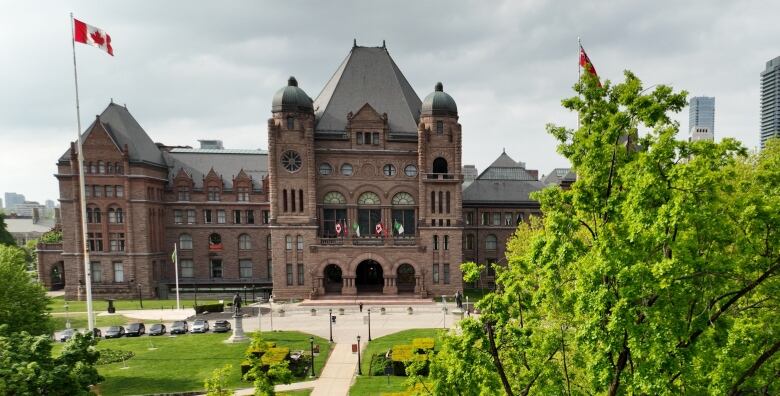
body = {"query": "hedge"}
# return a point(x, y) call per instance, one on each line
point(199, 309)
point(423, 343)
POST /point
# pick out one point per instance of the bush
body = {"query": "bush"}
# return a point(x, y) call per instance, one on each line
point(199, 309)
point(402, 353)
point(108, 356)
point(378, 364)
point(423, 343)
point(275, 355)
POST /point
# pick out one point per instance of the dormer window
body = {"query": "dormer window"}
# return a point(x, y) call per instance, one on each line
point(290, 122)
point(243, 194)
point(359, 138)
point(184, 194)
point(213, 194)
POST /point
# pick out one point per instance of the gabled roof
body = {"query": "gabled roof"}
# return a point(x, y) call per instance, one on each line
point(367, 75)
point(505, 168)
point(125, 130)
point(225, 163)
point(505, 181)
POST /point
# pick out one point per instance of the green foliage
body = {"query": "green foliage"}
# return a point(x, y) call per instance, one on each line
point(28, 368)
point(266, 372)
point(401, 353)
point(424, 343)
point(5, 236)
point(23, 302)
point(656, 273)
point(217, 384)
point(108, 356)
point(275, 355)
point(471, 271)
point(53, 236)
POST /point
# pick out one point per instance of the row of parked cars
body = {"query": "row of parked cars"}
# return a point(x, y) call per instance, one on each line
point(139, 329)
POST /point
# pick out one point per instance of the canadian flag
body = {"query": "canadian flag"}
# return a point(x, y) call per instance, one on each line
point(378, 228)
point(90, 35)
point(338, 228)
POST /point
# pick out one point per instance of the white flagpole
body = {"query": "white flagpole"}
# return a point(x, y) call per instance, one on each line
point(176, 271)
point(82, 189)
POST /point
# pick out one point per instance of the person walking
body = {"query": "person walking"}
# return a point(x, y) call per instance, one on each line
point(360, 305)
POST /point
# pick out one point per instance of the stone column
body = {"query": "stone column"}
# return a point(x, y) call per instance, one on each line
point(238, 331)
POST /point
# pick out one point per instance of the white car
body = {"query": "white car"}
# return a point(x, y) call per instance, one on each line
point(200, 326)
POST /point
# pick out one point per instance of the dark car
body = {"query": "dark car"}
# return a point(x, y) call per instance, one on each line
point(157, 329)
point(200, 326)
point(179, 327)
point(66, 335)
point(135, 330)
point(221, 326)
point(115, 332)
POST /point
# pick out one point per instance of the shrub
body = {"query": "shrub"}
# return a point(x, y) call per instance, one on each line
point(423, 343)
point(108, 356)
point(217, 384)
point(402, 353)
point(275, 355)
point(199, 309)
point(378, 364)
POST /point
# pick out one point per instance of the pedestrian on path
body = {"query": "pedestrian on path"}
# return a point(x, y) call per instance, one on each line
point(360, 305)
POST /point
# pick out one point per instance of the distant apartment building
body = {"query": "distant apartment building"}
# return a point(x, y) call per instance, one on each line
point(25, 209)
point(701, 133)
point(13, 199)
point(701, 114)
point(770, 101)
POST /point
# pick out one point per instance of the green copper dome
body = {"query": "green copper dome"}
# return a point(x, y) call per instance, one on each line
point(439, 103)
point(291, 98)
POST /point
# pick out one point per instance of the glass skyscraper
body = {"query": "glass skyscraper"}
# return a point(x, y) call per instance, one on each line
point(770, 100)
point(701, 114)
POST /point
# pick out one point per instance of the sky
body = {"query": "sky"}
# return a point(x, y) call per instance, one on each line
point(190, 70)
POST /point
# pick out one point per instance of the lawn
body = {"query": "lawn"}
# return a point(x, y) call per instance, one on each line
point(79, 321)
point(182, 363)
point(301, 392)
point(58, 304)
point(367, 385)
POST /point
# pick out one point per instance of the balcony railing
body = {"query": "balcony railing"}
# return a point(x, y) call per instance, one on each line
point(440, 177)
point(410, 240)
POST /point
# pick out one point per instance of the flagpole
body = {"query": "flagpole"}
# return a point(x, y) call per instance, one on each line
point(82, 188)
point(176, 271)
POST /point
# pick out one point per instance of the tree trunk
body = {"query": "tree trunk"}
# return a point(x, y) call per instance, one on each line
point(497, 360)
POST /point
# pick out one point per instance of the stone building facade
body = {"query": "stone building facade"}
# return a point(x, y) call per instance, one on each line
point(360, 192)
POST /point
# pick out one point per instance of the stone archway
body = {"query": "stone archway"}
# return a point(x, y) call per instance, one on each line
point(405, 278)
point(332, 279)
point(369, 277)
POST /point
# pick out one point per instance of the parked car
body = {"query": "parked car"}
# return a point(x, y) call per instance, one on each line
point(115, 332)
point(66, 335)
point(157, 329)
point(200, 326)
point(135, 330)
point(221, 326)
point(179, 327)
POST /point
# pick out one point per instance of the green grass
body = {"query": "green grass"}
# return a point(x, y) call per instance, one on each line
point(79, 321)
point(365, 385)
point(182, 363)
point(101, 305)
point(301, 392)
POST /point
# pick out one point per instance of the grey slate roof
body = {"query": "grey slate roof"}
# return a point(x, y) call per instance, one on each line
point(125, 130)
point(505, 181)
point(559, 175)
point(227, 163)
point(367, 75)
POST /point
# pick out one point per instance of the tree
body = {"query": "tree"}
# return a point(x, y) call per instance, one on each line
point(217, 384)
point(5, 237)
point(28, 368)
point(264, 377)
point(658, 272)
point(23, 302)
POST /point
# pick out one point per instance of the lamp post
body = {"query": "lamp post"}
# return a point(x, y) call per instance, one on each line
point(358, 348)
point(311, 342)
point(369, 324)
point(330, 322)
point(67, 316)
point(140, 298)
point(259, 315)
point(244, 294)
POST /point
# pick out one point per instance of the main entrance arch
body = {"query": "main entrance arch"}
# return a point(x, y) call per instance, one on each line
point(332, 278)
point(405, 279)
point(369, 277)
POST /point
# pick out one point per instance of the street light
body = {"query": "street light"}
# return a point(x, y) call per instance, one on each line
point(244, 294)
point(369, 324)
point(311, 341)
point(67, 316)
point(358, 348)
point(330, 322)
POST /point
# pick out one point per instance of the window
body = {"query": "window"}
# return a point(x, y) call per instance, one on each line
point(469, 218)
point(469, 242)
point(119, 272)
point(300, 274)
point(184, 194)
point(376, 137)
point(485, 218)
point(120, 191)
point(447, 200)
point(190, 216)
point(187, 269)
point(289, 274)
point(300, 200)
point(508, 219)
point(496, 218)
point(115, 216)
point(178, 217)
point(284, 199)
point(299, 243)
point(213, 194)
point(97, 271)
point(110, 191)
point(359, 138)
point(368, 217)
point(290, 123)
point(119, 169)
point(491, 242)
point(435, 242)
point(268, 242)
point(436, 273)
point(266, 216)
point(441, 202)
point(98, 191)
point(244, 242)
point(288, 242)
point(410, 170)
point(250, 216)
point(269, 269)
point(207, 216)
point(245, 268)
point(446, 273)
point(433, 201)
point(90, 219)
point(334, 198)
point(325, 169)
point(236, 217)
point(220, 216)
point(243, 194)
point(346, 169)
point(491, 267)
point(291, 161)
point(95, 241)
point(185, 241)
point(403, 218)
point(519, 218)
point(101, 167)
point(440, 165)
point(439, 127)
point(216, 268)
point(389, 170)
point(446, 242)
point(116, 242)
point(92, 168)
point(215, 242)
point(87, 191)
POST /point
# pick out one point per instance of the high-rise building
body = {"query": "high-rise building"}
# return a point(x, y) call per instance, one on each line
point(13, 199)
point(770, 100)
point(1, 203)
point(701, 114)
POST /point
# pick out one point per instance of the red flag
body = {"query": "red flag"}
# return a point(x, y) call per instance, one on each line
point(90, 35)
point(338, 229)
point(586, 64)
point(378, 228)
point(346, 229)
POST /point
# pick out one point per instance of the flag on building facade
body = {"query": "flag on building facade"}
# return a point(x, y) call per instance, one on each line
point(345, 227)
point(338, 229)
point(91, 35)
point(356, 227)
point(173, 255)
point(378, 228)
point(399, 228)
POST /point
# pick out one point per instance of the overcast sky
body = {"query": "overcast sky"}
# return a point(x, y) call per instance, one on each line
point(191, 70)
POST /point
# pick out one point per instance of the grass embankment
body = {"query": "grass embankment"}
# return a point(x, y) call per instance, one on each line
point(374, 386)
point(101, 305)
point(182, 363)
point(79, 321)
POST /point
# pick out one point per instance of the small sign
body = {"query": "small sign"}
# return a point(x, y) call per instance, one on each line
point(389, 369)
point(354, 348)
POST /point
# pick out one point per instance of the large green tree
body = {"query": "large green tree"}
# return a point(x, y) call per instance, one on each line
point(5, 237)
point(23, 302)
point(658, 272)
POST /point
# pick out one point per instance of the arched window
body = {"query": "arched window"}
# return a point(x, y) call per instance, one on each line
point(89, 215)
point(491, 242)
point(334, 198)
point(101, 167)
point(334, 212)
point(368, 198)
point(244, 242)
point(290, 122)
point(403, 214)
point(120, 216)
point(96, 216)
point(111, 216)
point(440, 165)
point(369, 213)
point(185, 242)
point(403, 198)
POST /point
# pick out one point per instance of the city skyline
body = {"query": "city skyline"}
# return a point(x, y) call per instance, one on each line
point(186, 79)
